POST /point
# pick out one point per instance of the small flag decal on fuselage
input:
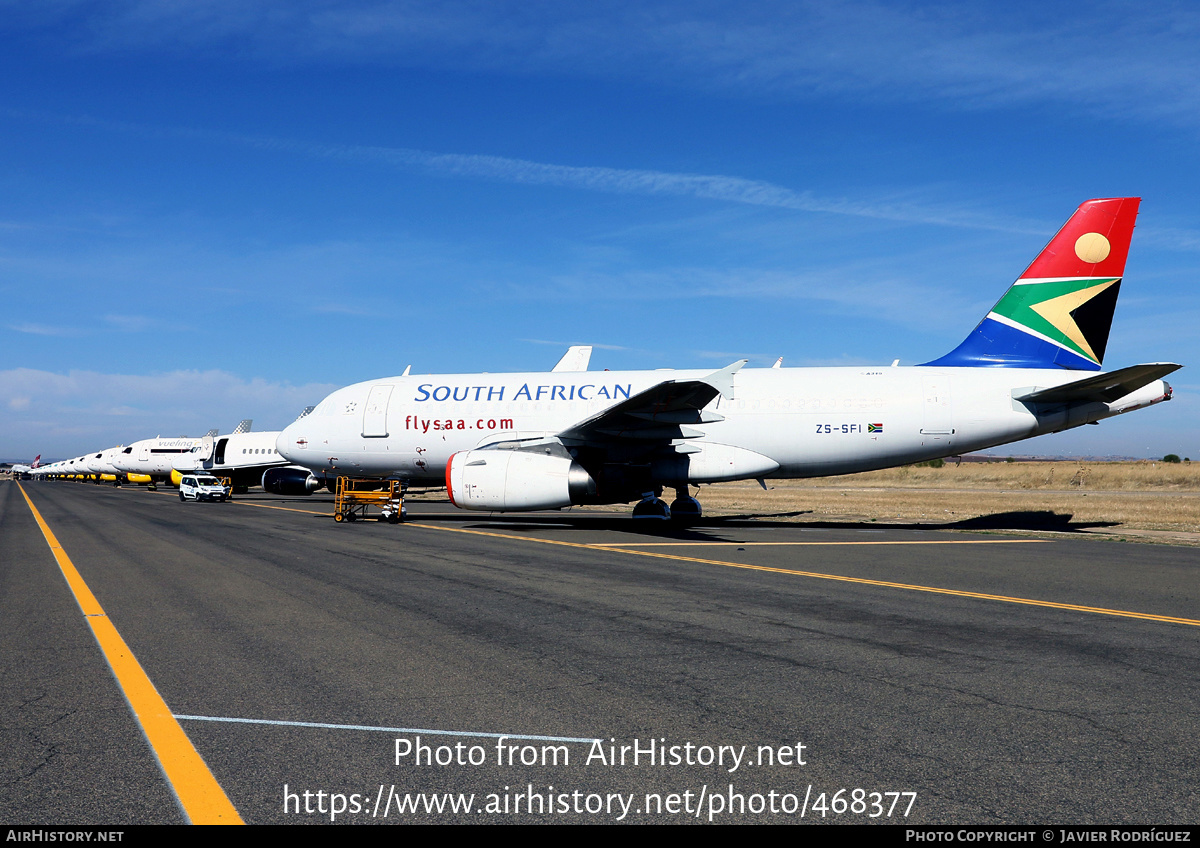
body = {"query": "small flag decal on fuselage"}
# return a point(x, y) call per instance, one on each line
point(874, 428)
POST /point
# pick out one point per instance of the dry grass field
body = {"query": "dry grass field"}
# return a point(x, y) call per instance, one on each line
point(1136, 500)
point(1112, 497)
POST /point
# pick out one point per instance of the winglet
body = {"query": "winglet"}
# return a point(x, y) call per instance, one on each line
point(722, 380)
point(576, 358)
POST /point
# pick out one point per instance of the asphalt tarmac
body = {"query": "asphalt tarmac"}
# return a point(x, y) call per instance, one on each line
point(740, 671)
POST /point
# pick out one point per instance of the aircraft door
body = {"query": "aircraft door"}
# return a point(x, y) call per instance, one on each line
point(938, 420)
point(219, 453)
point(203, 451)
point(375, 412)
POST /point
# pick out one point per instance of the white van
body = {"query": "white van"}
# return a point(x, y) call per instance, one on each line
point(202, 487)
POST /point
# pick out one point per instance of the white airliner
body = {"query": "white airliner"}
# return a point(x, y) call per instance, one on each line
point(24, 472)
point(549, 440)
point(245, 457)
point(152, 460)
point(102, 468)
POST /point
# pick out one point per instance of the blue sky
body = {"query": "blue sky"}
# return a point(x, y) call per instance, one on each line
point(218, 210)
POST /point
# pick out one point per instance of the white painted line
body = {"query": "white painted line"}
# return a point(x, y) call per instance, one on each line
point(389, 729)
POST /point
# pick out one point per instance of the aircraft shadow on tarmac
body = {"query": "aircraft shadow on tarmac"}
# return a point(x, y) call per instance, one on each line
point(1032, 520)
point(1025, 520)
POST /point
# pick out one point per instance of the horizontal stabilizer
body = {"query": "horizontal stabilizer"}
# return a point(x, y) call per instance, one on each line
point(1103, 388)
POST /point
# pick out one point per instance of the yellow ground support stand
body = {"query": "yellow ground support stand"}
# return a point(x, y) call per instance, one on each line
point(227, 482)
point(353, 499)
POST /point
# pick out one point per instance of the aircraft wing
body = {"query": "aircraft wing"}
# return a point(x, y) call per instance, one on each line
point(657, 414)
point(1104, 388)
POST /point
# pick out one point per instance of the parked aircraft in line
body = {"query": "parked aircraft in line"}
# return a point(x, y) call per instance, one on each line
point(245, 457)
point(24, 472)
point(151, 460)
point(550, 440)
point(101, 466)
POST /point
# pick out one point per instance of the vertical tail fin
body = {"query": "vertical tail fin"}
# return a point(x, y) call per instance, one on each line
point(1058, 313)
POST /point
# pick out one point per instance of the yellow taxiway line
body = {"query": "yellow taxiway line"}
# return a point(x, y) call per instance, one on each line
point(862, 581)
point(818, 544)
point(202, 798)
point(630, 548)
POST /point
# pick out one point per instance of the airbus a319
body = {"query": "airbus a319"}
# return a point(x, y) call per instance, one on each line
point(511, 442)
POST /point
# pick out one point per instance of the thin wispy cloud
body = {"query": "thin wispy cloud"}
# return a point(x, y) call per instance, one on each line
point(861, 289)
point(129, 323)
point(569, 344)
point(719, 187)
point(1122, 60)
point(1170, 238)
point(626, 181)
point(43, 330)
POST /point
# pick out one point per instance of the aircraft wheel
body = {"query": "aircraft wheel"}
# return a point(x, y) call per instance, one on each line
point(655, 509)
point(686, 510)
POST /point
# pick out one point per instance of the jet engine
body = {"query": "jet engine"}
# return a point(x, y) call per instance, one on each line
point(290, 481)
point(516, 480)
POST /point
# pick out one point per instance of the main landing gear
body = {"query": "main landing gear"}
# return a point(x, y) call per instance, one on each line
point(651, 508)
point(683, 510)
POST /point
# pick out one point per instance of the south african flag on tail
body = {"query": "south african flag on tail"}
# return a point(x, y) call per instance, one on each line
point(1058, 313)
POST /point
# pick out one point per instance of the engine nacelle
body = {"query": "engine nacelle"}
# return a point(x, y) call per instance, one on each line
point(515, 480)
point(290, 481)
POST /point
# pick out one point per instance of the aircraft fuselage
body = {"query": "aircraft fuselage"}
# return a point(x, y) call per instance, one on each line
point(779, 423)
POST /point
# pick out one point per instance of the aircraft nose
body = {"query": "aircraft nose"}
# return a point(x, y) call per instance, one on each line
point(290, 443)
point(283, 442)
